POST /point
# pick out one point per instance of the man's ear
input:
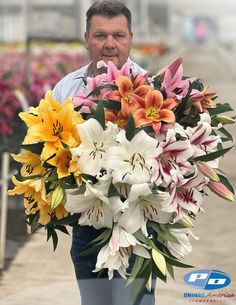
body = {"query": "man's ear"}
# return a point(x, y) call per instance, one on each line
point(86, 40)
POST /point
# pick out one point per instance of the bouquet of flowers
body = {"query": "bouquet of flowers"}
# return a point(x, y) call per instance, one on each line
point(133, 155)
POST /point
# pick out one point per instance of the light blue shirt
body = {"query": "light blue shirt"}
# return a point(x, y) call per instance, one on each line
point(73, 83)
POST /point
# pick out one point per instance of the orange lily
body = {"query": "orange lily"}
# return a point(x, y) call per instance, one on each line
point(130, 93)
point(116, 117)
point(202, 100)
point(156, 111)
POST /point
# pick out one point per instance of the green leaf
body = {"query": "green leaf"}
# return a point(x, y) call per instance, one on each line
point(99, 114)
point(223, 131)
point(220, 108)
point(113, 191)
point(89, 177)
point(34, 148)
point(63, 230)
point(166, 235)
point(130, 129)
point(104, 236)
point(54, 240)
point(170, 270)
point(68, 220)
point(182, 106)
point(116, 105)
point(159, 260)
point(139, 284)
point(99, 88)
point(214, 155)
point(53, 176)
point(136, 268)
point(226, 182)
point(51, 233)
point(91, 250)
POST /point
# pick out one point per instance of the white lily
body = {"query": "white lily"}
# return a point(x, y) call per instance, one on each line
point(115, 255)
point(132, 161)
point(96, 208)
point(94, 143)
point(184, 246)
point(144, 206)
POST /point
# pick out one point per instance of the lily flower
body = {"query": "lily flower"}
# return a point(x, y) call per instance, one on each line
point(202, 100)
point(185, 194)
point(62, 161)
point(57, 128)
point(94, 143)
point(35, 200)
point(207, 170)
point(31, 163)
point(220, 189)
point(201, 139)
point(130, 93)
point(115, 255)
point(144, 206)
point(96, 208)
point(172, 158)
point(184, 246)
point(132, 161)
point(116, 117)
point(34, 114)
point(173, 82)
point(155, 111)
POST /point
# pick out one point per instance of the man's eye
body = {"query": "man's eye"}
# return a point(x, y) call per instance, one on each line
point(119, 36)
point(99, 36)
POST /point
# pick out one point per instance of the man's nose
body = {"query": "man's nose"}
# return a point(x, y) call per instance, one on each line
point(110, 41)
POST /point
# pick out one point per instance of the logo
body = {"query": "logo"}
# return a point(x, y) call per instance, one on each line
point(207, 279)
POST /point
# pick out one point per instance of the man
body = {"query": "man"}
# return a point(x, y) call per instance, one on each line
point(108, 37)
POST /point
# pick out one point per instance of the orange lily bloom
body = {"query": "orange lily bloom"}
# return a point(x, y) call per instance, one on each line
point(116, 117)
point(130, 93)
point(203, 100)
point(155, 111)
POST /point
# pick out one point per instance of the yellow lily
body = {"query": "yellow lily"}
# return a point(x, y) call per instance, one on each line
point(31, 163)
point(56, 128)
point(62, 162)
point(22, 187)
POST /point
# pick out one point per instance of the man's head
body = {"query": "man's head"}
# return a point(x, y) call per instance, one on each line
point(108, 33)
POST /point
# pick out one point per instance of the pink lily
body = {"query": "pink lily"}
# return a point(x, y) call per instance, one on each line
point(220, 189)
point(172, 158)
point(172, 83)
point(186, 194)
point(202, 100)
point(207, 170)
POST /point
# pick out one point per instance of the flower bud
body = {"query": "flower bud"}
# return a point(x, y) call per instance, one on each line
point(186, 221)
point(207, 171)
point(220, 189)
point(225, 119)
point(57, 197)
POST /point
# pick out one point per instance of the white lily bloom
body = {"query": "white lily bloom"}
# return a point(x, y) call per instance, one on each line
point(144, 206)
point(184, 246)
point(96, 208)
point(94, 143)
point(115, 255)
point(111, 262)
point(132, 161)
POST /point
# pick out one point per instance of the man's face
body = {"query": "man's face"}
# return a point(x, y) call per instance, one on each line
point(108, 39)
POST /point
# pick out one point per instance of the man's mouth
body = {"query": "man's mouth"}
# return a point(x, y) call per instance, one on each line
point(110, 55)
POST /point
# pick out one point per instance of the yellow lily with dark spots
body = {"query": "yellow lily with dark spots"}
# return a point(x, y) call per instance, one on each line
point(31, 163)
point(56, 128)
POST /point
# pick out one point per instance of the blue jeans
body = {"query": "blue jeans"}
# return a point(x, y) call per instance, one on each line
point(100, 291)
